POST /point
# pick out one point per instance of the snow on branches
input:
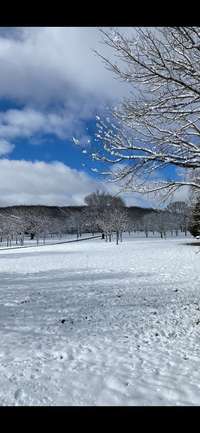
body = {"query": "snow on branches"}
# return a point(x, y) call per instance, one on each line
point(158, 126)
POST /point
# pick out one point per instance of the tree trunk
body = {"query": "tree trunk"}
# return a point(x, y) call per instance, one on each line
point(117, 237)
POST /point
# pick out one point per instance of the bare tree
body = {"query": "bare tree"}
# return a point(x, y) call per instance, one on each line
point(194, 224)
point(100, 206)
point(119, 220)
point(11, 228)
point(158, 126)
point(148, 223)
point(114, 220)
point(104, 222)
point(90, 219)
point(101, 200)
point(180, 212)
point(75, 223)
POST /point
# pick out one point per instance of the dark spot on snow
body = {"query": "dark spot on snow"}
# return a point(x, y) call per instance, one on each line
point(61, 357)
point(85, 317)
point(25, 301)
point(119, 296)
point(197, 322)
point(154, 312)
point(176, 290)
point(156, 334)
point(63, 320)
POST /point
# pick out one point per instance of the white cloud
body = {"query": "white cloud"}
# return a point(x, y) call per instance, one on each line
point(26, 182)
point(54, 73)
point(42, 65)
point(60, 83)
point(5, 147)
point(57, 77)
point(28, 122)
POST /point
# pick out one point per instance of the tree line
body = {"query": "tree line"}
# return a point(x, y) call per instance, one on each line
point(102, 213)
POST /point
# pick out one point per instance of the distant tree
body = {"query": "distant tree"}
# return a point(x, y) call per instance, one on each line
point(101, 200)
point(100, 206)
point(11, 228)
point(114, 220)
point(180, 211)
point(157, 221)
point(90, 219)
point(149, 223)
point(75, 223)
point(104, 222)
point(194, 225)
point(119, 220)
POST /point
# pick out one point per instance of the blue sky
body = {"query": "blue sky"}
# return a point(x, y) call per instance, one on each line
point(52, 86)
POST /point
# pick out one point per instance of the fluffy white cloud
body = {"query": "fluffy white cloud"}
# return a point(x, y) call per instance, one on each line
point(61, 83)
point(46, 64)
point(25, 182)
point(5, 147)
point(28, 122)
point(57, 77)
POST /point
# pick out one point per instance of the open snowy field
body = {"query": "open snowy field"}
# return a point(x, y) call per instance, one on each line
point(92, 323)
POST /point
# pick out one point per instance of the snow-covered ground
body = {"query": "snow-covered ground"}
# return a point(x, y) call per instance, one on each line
point(92, 323)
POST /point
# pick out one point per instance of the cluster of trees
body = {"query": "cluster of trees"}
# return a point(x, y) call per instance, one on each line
point(106, 214)
point(102, 213)
point(173, 219)
point(14, 226)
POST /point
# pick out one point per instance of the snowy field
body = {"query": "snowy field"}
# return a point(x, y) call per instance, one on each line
point(92, 323)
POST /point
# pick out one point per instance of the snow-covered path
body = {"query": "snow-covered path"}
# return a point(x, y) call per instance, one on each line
point(93, 323)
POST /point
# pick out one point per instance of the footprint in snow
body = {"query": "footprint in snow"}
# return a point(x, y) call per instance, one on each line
point(19, 394)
